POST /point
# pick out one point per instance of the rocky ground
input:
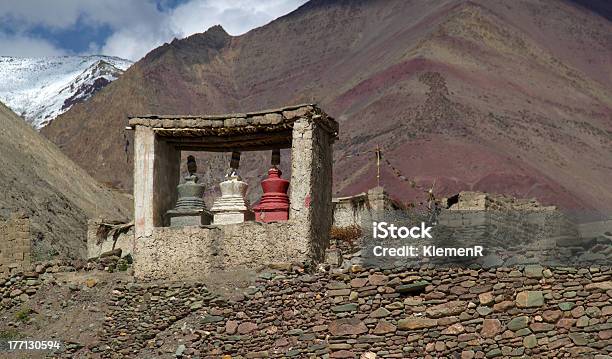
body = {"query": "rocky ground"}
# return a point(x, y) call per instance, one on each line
point(98, 310)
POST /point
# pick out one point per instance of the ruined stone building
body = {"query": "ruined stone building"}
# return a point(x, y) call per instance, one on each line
point(513, 230)
point(355, 210)
point(15, 244)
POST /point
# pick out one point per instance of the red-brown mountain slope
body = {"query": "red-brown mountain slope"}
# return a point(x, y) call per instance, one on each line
point(512, 97)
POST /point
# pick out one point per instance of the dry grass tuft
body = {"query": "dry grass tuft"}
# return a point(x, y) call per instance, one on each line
point(349, 235)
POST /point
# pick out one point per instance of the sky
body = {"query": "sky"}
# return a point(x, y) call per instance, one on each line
point(124, 28)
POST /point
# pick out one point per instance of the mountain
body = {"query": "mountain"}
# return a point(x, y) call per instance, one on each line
point(57, 195)
point(39, 89)
point(496, 96)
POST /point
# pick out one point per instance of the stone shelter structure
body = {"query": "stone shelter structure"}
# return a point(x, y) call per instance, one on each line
point(162, 252)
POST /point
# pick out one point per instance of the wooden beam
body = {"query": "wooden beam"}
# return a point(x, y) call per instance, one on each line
point(253, 137)
point(243, 147)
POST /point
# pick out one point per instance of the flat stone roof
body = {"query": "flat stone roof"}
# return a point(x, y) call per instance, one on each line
point(259, 130)
point(358, 197)
point(265, 118)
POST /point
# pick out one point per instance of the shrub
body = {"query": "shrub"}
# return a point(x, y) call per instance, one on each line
point(349, 235)
point(23, 314)
point(9, 334)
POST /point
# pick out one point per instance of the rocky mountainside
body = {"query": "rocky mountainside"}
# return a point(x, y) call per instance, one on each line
point(56, 194)
point(39, 89)
point(508, 97)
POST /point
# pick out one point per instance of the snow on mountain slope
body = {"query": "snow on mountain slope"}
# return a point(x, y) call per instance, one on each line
point(40, 89)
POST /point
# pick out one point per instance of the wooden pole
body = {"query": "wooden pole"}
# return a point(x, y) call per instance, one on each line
point(378, 165)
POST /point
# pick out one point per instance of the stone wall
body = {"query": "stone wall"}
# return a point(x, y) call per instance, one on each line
point(521, 226)
point(512, 231)
point(532, 312)
point(348, 211)
point(15, 244)
point(194, 252)
point(357, 209)
point(527, 231)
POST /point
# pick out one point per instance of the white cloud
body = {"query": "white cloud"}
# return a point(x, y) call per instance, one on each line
point(134, 42)
point(62, 14)
point(139, 26)
point(236, 17)
point(24, 46)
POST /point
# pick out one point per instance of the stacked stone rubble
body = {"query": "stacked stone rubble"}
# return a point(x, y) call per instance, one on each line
point(397, 313)
point(20, 286)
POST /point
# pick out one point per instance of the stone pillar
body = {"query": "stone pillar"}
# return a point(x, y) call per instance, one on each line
point(156, 175)
point(311, 185)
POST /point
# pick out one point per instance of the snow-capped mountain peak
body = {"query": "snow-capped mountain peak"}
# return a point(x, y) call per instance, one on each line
point(40, 89)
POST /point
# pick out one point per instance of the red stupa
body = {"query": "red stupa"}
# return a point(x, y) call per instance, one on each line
point(274, 204)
